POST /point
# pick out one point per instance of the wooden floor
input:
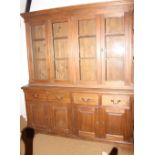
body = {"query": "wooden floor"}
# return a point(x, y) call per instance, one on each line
point(54, 145)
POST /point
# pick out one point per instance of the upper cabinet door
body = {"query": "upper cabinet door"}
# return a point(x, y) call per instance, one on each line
point(39, 56)
point(87, 58)
point(60, 53)
point(116, 52)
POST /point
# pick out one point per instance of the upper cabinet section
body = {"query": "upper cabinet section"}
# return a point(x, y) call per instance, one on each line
point(83, 46)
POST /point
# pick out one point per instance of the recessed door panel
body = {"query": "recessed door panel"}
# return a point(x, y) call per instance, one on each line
point(40, 114)
point(88, 54)
point(115, 68)
point(87, 27)
point(61, 118)
point(61, 69)
point(61, 51)
point(88, 69)
point(115, 25)
point(115, 46)
point(39, 53)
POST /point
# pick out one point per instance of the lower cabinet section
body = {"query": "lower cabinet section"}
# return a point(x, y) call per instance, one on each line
point(95, 115)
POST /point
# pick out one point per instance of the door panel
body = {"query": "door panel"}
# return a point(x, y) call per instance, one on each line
point(87, 27)
point(61, 118)
point(88, 70)
point(40, 115)
point(114, 40)
point(115, 46)
point(85, 121)
point(61, 70)
point(39, 52)
point(88, 53)
point(114, 123)
point(115, 69)
point(61, 55)
point(115, 25)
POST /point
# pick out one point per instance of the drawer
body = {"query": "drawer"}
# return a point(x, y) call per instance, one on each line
point(115, 100)
point(61, 97)
point(36, 95)
point(85, 99)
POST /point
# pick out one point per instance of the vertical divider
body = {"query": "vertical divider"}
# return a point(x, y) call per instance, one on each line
point(51, 52)
point(48, 40)
point(103, 50)
point(128, 50)
point(29, 52)
point(98, 42)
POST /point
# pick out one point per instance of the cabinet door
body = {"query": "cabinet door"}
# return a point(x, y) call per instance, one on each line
point(116, 49)
point(118, 124)
point(61, 118)
point(85, 121)
point(61, 55)
point(39, 115)
point(39, 55)
point(88, 54)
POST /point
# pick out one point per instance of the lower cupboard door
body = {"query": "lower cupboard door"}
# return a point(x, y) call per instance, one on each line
point(117, 124)
point(61, 119)
point(85, 121)
point(39, 115)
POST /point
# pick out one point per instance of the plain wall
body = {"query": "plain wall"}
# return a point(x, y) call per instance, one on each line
point(39, 5)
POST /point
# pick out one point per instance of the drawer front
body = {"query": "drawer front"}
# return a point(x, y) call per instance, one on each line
point(115, 100)
point(85, 99)
point(36, 95)
point(61, 97)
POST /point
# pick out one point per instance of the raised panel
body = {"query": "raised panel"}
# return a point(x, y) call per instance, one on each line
point(60, 29)
point(61, 48)
point(86, 121)
point(87, 27)
point(61, 118)
point(88, 69)
point(115, 25)
point(88, 47)
point(61, 70)
point(40, 69)
point(115, 70)
point(115, 46)
point(38, 32)
point(114, 124)
point(40, 115)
